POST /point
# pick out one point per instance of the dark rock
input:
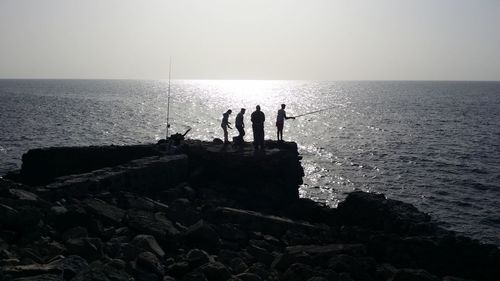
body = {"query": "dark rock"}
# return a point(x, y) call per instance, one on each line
point(150, 262)
point(237, 265)
point(72, 265)
point(260, 254)
point(261, 270)
point(31, 269)
point(155, 224)
point(315, 254)
point(19, 217)
point(413, 275)
point(178, 269)
point(194, 276)
point(249, 277)
point(43, 277)
point(319, 278)
point(215, 271)
point(182, 211)
point(129, 200)
point(75, 232)
point(376, 212)
point(351, 265)
point(148, 243)
point(203, 236)
point(108, 213)
point(256, 221)
point(65, 217)
point(231, 232)
point(299, 272)
point(197, 257)
point(88, 248)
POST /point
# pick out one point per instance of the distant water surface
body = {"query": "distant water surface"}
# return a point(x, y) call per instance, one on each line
point(433, 144)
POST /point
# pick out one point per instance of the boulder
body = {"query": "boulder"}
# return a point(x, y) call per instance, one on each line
point(43, 277)
point(249, 277)
point(197, 257)
point(268, 224)
point(376, 212)
point(75, 232)
point(148, 243)
point(155, 224)
point(299, 272)
point(72, 265)
point(215, 271)
point(31, 269)
point(203, 236)
point(107, 213)
point(88, 248)
point(150, 262)
point(413, 275)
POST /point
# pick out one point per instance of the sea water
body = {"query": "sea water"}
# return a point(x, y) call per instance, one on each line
point(432, 144)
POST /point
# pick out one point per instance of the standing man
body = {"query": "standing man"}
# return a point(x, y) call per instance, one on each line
point(280, 122)
point(225, 124)
point(240, 125)
point(258, 119)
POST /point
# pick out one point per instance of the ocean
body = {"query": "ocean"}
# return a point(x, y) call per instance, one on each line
point(435, 145)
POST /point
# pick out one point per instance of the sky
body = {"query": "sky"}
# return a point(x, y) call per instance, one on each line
point(254, 39)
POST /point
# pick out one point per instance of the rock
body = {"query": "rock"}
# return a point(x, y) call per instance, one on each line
point(182, 211)
point(31, 269)
point(256, 221)
point(260, 254)
point(376, 212)
point(318, 278)
point(148, 243)
point(299, 272)
point(43, 277)
point(88, 248)
point(249, 277)
point(72, 265)
point(413, 275)
point(150, 262)
point(19, 217)
point(194, 276)
point(231, 232)
point(75, 232)
point(215, 271)
point(197, 257)
point(114, 270)
point(261, 270)
point(351, 265)
point(238, 265)
point(129, 200)
point(108, 213)
point(155, 224)
point(65, 217)
point(178, 269)
point(202, 235)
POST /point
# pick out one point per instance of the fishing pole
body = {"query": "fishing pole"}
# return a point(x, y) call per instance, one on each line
point(168, 98)
point(316, 111)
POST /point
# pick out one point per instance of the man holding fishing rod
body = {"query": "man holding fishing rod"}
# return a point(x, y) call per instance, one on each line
point(280, 121)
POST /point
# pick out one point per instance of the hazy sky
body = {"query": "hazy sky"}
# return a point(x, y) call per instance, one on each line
point(253, 39)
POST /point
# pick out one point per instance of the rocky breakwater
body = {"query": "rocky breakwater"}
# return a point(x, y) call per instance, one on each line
point(220, 213)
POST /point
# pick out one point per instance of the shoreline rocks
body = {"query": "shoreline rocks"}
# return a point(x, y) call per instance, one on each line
point(215, 213)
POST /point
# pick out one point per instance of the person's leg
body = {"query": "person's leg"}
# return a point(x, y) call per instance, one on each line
point(225, 134)
point(262, 138)
point(255, 137)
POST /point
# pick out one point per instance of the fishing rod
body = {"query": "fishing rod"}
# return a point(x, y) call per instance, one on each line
point(168, 98)
point(316, 111)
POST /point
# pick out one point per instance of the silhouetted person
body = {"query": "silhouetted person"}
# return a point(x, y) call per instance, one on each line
point(280, 121)
point(226, 124)
point(240, 125)
point(258, 119)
